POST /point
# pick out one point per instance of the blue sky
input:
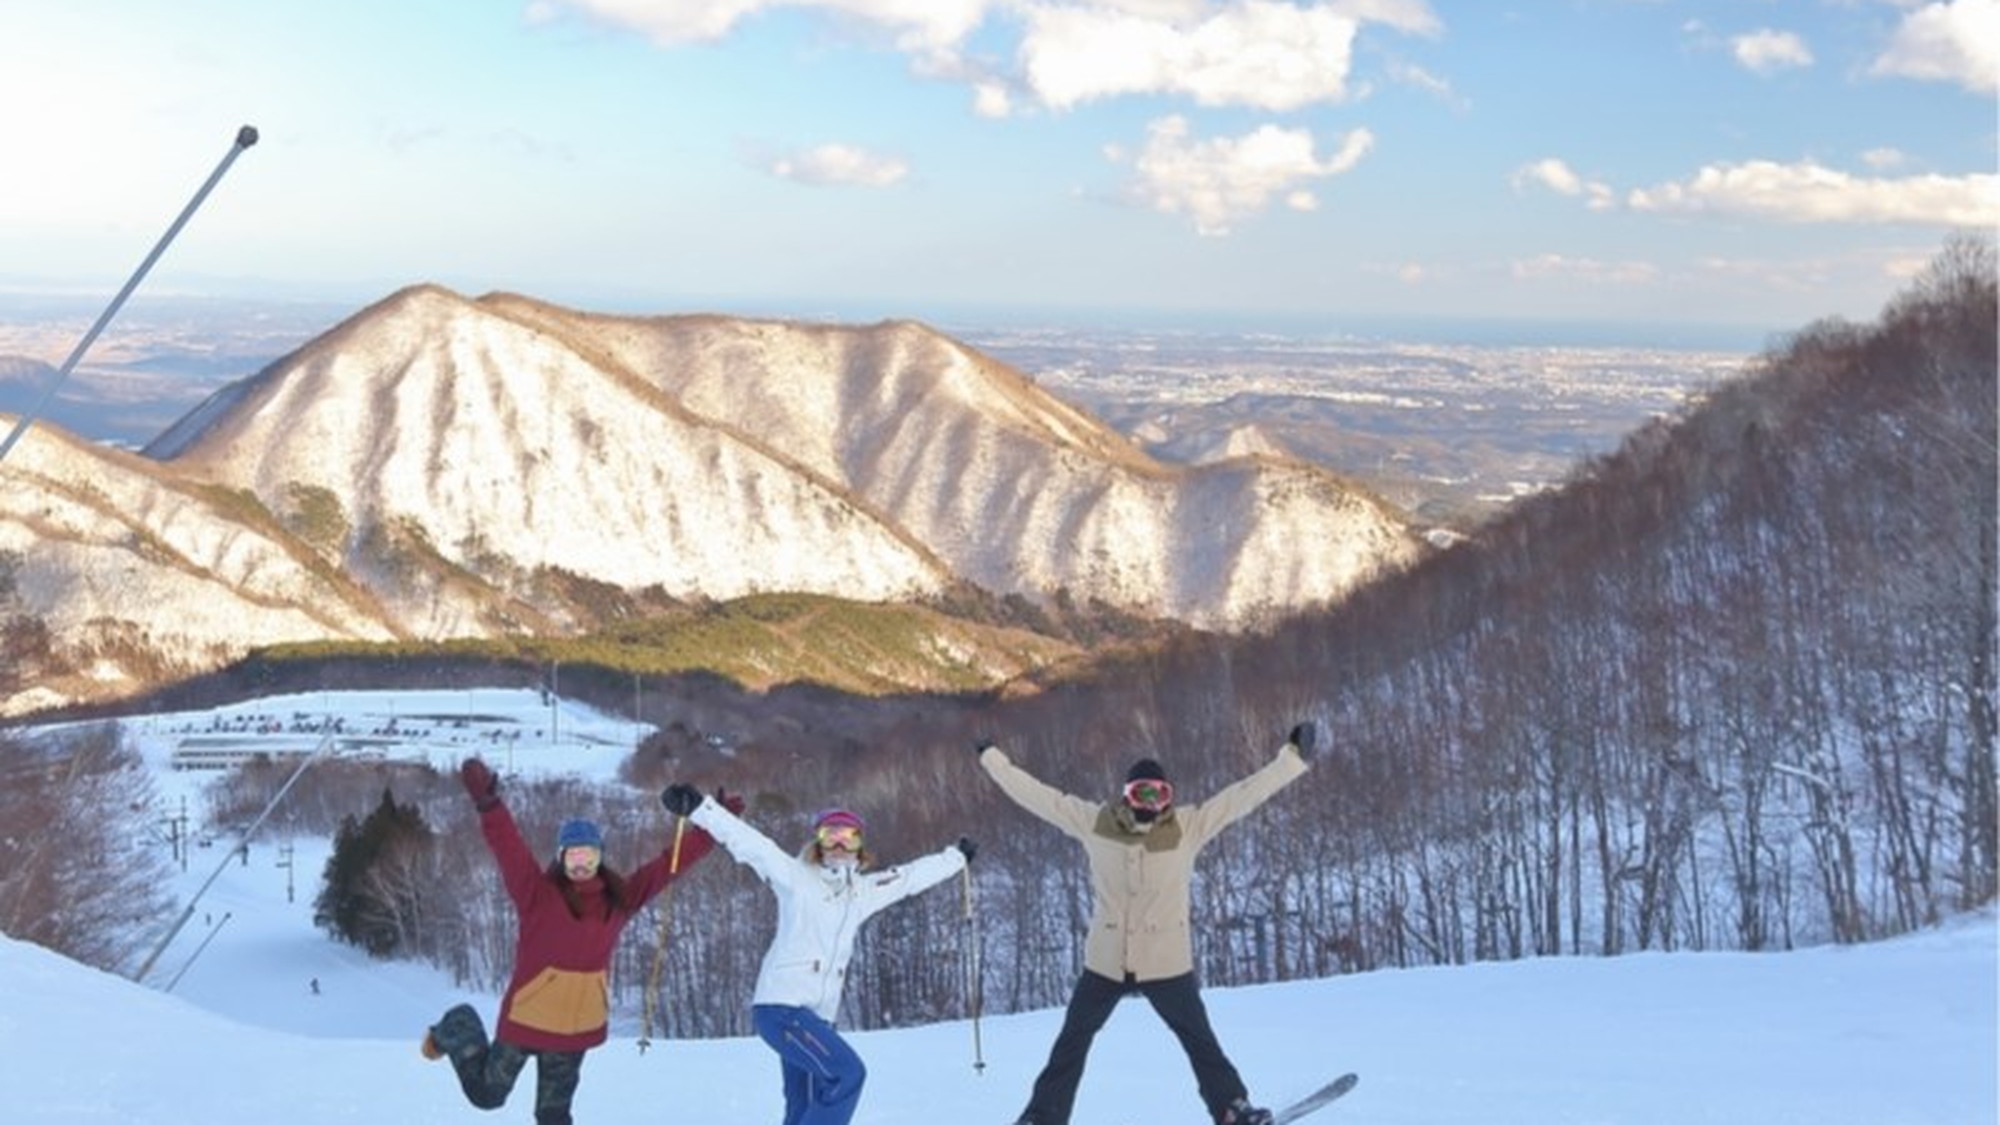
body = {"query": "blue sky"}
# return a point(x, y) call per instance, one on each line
point(1760, 163)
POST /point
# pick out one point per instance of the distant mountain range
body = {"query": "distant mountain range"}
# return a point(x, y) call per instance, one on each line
point(439, 467)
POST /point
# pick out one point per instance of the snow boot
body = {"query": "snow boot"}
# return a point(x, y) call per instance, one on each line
point(459, 1034)
point(1241, 1112)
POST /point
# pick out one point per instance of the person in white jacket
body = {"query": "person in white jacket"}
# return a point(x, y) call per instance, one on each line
point(824, 895)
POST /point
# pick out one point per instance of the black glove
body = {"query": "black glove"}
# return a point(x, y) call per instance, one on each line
point(681, 798)
point(1305, 736)
point(481, 784)
point(980, 747)
point(966, 846)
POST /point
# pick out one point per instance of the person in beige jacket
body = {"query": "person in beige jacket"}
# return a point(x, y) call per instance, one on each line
point(1142, 847)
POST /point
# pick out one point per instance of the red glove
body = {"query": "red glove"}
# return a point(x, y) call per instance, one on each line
point(731, 801)
point(481, 784)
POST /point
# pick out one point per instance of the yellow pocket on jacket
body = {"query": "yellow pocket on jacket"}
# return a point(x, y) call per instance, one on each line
point(563, 1002)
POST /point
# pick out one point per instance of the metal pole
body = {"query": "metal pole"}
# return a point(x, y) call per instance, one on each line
point(325, 741)
point(660, 947)
point(974, 994)
point(197, 951)
point(245, 137)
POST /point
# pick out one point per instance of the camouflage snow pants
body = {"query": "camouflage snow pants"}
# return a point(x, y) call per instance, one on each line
point(487, 1071)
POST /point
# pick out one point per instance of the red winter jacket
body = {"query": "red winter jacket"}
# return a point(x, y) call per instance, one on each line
point(559, 999)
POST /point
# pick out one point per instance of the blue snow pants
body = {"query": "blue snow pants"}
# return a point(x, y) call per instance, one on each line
point(823, 1075)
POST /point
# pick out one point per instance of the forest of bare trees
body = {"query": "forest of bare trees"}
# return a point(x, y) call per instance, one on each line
point(82, 869)
point(1731, 687)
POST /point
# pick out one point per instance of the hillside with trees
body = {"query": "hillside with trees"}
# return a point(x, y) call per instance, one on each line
point(1731, 687)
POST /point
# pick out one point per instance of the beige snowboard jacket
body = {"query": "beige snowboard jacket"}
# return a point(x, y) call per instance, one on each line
point(1139, 878)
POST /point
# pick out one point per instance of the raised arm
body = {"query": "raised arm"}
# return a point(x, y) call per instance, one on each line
point(1071, 814)
point(1237, 800)
point(695, 842)
point(751, 848)
point(520, 872)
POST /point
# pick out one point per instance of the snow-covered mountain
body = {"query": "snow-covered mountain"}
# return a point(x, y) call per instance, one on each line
point(126, 564)
point(441, 467)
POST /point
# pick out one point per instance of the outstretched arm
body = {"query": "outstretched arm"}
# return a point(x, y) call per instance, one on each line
point(751, 848)
point(1071, 814)
point(1237, 800)
point(893, 884)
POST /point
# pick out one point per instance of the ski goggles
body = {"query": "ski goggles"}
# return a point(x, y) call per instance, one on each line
point(581, 861)
point(845, 836)
point(1149, 794)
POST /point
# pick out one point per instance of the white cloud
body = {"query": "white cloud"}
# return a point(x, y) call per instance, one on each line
point(1424, 80)
point(992, 92)
point(1254, 53)
point(1766, 51)
point(1810, 193)
point(1815, 273)
point(1413, 16)
point(830, 164)
point(992, 99)
point(1219, 181)
point(1269, 54)
point(1883, 158)
point(1557, 176)
point(1551, 173)
point(1957, 41)
point(1163, 10)
point(919, 25)
point(665, 22)
point(1556, 267)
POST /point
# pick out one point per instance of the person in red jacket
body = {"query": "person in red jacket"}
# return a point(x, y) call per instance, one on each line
point(570, 914)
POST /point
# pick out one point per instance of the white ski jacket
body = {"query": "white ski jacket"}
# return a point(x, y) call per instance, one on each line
point(820, 909)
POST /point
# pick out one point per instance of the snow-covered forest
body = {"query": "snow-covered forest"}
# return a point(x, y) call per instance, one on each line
point(1730, 688)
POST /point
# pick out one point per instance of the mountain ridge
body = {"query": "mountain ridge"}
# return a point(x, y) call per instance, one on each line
point(453, 461)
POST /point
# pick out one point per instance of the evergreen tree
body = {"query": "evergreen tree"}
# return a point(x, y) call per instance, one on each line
point(374, 891)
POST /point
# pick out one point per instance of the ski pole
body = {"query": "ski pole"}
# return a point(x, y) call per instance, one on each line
point(660, 947)
point(245, 137)
point(972, 991)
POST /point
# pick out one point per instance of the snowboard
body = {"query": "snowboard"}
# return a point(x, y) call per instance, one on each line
point(1318, 1099)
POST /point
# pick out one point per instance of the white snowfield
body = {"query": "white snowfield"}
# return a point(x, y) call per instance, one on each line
point(1900, 1033)
point(1896, 1033)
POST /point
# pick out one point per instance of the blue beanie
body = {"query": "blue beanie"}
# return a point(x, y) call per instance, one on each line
point(579, 833)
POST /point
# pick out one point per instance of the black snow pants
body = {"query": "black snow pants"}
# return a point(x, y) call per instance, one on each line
point(1178, 1002)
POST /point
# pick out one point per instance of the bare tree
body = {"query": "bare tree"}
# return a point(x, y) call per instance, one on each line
point(77, 872)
